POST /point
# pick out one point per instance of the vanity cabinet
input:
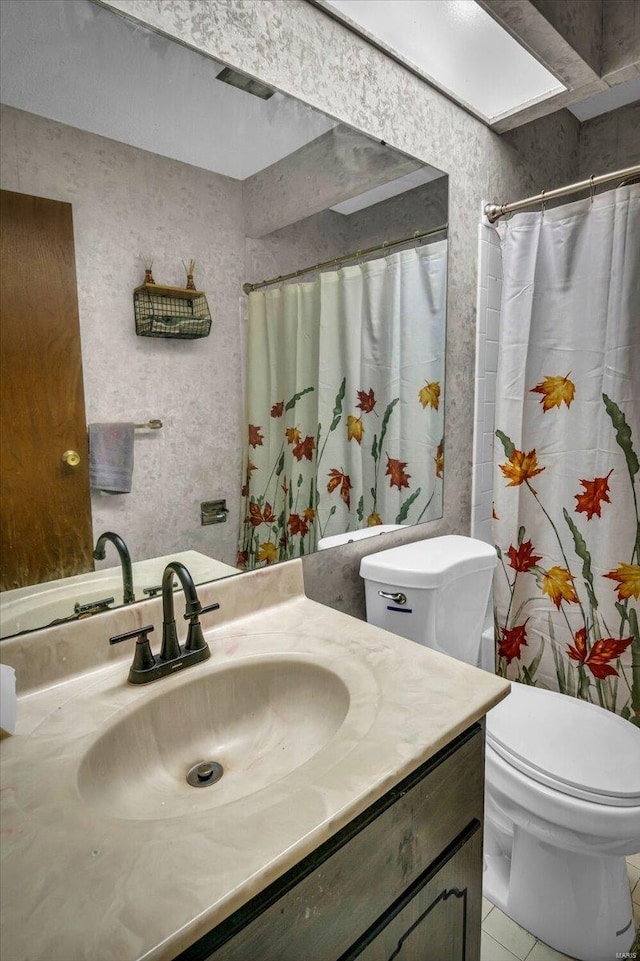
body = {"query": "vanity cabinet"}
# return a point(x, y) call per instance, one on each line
point(401, 881)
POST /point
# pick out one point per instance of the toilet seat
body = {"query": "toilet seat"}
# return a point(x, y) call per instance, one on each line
point(567, 744)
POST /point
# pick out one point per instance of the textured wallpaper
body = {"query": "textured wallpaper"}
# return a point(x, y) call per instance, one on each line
point(296, 48)
point(126, 203)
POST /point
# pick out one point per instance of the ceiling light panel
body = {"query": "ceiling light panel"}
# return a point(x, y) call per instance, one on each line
point(391, 189)
point(458, 47)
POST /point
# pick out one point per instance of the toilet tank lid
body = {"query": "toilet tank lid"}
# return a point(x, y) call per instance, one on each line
point(428, 562)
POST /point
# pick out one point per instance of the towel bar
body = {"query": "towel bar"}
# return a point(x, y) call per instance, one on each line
point(150, 425)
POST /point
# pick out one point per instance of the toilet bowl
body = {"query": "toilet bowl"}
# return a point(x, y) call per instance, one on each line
point(562, 795)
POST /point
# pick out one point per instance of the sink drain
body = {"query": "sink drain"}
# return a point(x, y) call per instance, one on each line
point(204, 773)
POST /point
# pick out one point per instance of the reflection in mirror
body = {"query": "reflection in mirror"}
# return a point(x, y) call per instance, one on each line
point(315, 400)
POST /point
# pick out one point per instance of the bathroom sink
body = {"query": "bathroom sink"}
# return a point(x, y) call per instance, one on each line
point(40, 605)
point(259, 717)
point(48, 603)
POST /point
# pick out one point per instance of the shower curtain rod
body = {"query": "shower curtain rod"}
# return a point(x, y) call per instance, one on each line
point(493, 212)
point(248, 288)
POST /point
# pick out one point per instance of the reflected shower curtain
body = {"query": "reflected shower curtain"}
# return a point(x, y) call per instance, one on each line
point(566, 451)
point(343, 404)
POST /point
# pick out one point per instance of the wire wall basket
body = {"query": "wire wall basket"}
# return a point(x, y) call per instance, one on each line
point(176, 312)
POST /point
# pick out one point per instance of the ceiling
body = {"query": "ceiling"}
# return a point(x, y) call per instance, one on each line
point(80, 64)
point(458, 47)
point(509, 62)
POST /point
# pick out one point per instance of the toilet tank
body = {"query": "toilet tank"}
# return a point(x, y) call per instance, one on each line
point(434, 592)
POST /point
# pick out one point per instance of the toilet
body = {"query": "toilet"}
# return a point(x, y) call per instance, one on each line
point(562, 795)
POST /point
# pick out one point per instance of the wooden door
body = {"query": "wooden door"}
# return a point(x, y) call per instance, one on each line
point(45, 506)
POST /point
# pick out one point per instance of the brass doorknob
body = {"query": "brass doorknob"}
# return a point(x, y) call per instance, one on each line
point(71, 458)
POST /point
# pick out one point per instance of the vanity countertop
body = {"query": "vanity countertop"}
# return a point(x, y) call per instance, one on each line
point(80, 884)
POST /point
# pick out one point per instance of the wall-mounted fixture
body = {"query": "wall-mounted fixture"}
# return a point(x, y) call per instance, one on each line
point(213, 512)
point(175, 312)
point(248, 84)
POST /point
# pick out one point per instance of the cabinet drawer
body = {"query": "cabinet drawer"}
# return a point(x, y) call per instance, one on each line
point(341, 890)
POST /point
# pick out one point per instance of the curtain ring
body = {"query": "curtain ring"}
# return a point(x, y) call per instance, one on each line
point(542, 201)
point(592, 189)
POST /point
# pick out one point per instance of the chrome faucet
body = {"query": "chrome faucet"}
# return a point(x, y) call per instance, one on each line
point(128, 597)
point(173, 657)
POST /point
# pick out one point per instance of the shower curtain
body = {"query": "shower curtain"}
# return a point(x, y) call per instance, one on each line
point(344, 404)
point(566, 450)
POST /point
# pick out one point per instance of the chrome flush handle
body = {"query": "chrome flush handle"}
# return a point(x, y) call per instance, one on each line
point(396, 598)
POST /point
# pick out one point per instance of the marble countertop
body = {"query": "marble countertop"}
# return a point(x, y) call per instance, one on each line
point(79, 884)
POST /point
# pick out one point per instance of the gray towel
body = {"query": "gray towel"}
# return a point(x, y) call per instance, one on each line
point(111, 457)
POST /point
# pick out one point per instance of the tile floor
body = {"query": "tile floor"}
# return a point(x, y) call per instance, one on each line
point(504, 940)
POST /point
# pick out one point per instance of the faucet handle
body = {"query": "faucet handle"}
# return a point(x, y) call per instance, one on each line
point(202, 610)
point(143, 659)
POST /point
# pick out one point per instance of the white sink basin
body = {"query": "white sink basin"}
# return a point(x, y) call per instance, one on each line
point(39, 606)
point(29, 608)
point(261, 719)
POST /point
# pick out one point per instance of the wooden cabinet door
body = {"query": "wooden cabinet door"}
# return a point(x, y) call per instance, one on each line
point(349, 889)
point(435, 919)
point(45, 505)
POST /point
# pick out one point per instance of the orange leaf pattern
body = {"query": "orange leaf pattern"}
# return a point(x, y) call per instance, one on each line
point(512, 642)
point(558, 584)
point(628, 577)
point(338, 479)
point(304, 448)
point(429, 395)
point(605, 649)
point(257, 516)
point(268, 552)
point(297, 525)
point(521, 467)
point(396, 471)
point(522, 558)
point(366, 400)
point(581, 604)
point(595, 492)
point(255, 436)
point(439, 459)
point(284, 495)
point(555, 391)
point(355, 428)
point(339, 432)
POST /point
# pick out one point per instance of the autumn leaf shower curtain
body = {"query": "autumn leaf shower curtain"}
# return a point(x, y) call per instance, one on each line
point(344, 404)
point(566, 465)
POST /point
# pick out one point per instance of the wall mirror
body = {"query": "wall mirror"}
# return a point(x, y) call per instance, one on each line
point(165, 156)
